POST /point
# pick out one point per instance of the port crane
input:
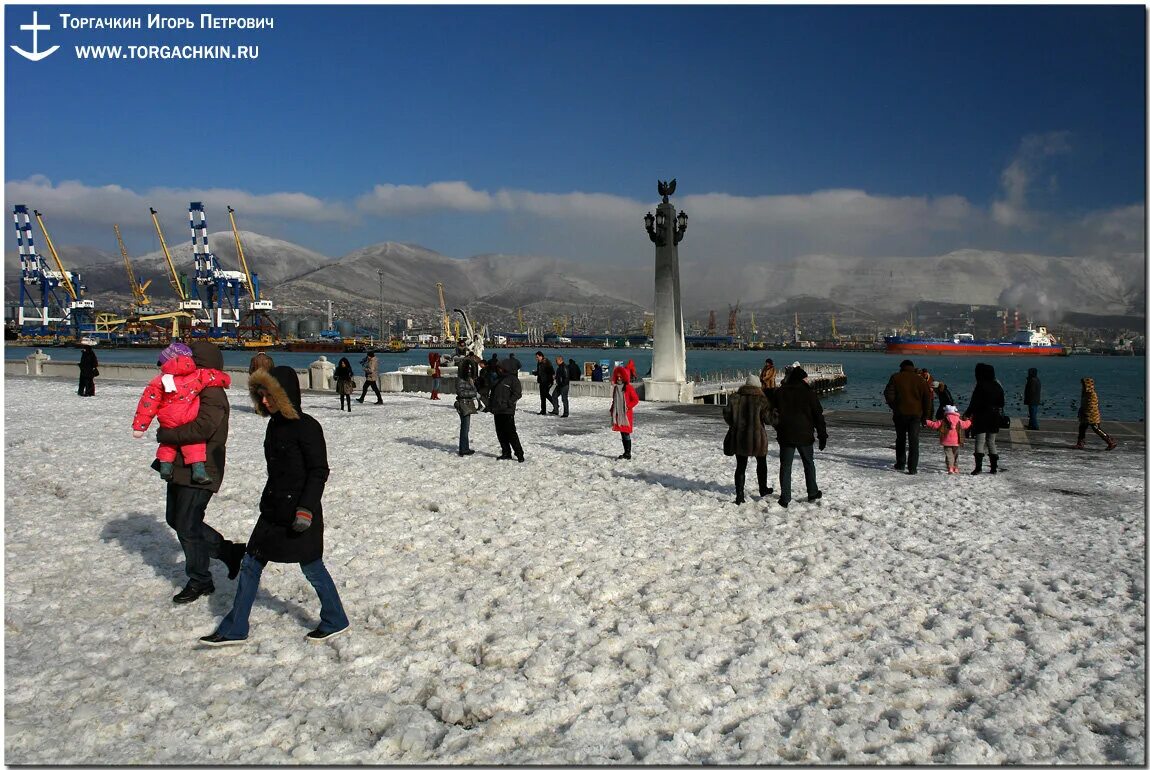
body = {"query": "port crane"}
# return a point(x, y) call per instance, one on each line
point(260, 327)
point(139, 290)
point(446, 321)
point(711, 324)
point(188, 304)
point(733, 319)
point(222, 287)
point(46, 296)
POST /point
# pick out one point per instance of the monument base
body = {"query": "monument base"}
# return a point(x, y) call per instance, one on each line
point(664, 390)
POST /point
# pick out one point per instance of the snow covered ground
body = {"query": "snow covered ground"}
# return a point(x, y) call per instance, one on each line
point(575, 609)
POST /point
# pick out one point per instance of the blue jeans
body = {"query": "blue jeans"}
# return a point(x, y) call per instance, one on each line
point(186, 507)
point(1033, 409)
point(464, 428)
point(786, 457)
point(331, 614)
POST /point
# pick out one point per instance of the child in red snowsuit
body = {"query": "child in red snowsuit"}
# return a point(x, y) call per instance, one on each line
point(173, 398)
point(624, 397)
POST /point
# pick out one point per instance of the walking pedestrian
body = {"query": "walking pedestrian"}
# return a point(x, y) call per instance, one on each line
point(89, 371)
point(187, 501)
point(344, 383)
point(747, 414)
point(800, 419)
point(985, 413)
point(1032, 397)
point(545, 377)
point(1090, 416)
point(562, 385)
point(291, 524)
point(906, 395)
point(506, 391)
point(949, 427)
point(623, 401)
point(370, 366)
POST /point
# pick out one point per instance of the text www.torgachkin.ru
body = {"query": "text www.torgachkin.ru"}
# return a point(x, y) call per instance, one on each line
point(167, 52)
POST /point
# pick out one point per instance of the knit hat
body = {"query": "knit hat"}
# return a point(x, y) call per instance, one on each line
point(950, 409)
point(174, 350)
point(753, 382)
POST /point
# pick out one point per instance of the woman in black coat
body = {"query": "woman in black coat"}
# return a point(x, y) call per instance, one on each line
point(986, 405)
point(290, 526)
point(88, 371)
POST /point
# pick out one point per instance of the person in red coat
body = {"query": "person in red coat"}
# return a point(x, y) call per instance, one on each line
point(173, 399)
point(623, 401)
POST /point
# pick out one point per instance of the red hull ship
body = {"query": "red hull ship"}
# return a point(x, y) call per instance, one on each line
point(1028, 342)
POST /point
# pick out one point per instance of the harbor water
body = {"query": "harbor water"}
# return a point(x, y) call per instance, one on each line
point(1119, 380)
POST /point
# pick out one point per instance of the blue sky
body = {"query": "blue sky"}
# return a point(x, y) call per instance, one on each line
point(886, 131)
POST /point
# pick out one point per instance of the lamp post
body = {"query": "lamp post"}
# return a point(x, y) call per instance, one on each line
point(668, 380)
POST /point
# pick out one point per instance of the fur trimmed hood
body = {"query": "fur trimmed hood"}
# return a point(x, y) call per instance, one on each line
point(281, 385)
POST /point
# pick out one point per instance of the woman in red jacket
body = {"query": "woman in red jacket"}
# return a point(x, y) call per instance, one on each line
point(623, 401)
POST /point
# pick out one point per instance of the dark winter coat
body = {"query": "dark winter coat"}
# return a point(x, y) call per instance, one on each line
point(1032, 393)
point(544, 374)
point(986, 402)
point(210, 425)
point(945, 399)
point(562, 378)
point(504, 393)
point(907, 394)
point(573, 372)
point(88, 363)
point(747, 413)
point(296, 456)
point(344, 378)
point(800, 413)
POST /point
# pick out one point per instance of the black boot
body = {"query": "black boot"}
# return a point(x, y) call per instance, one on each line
point(739, 497)
point(231, 554)
point(977, 464)
point(994, 463)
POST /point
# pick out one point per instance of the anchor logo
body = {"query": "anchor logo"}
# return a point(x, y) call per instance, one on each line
point(35, 27)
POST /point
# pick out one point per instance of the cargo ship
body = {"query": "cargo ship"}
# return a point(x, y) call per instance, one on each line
point(1025, 342)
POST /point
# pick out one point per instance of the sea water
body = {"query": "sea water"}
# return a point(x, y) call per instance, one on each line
point(1119, 380)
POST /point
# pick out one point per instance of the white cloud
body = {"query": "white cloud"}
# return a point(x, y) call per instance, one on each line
point(1011, 209)
point(395, 200)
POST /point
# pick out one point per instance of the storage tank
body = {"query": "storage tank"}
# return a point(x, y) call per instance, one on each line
point(309, 326)
point(288, 326)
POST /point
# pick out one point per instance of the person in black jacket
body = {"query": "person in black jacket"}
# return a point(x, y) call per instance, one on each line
point(562, 385)
point(290, 525)
point(945, 399)
point(88, 371)
point(545, 377)
point(986, 405)
point(800, 417)
point(1032, 397)
point(504, 393)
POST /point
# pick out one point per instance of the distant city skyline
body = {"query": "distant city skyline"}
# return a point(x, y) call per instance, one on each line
point(792, 130)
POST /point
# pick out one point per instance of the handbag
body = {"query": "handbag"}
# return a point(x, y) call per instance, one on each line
point(729, 442)
point(95, 372)
point(1003, 418)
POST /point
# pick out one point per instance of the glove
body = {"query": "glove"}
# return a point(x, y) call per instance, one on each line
point(822, 443)
point(302, 521)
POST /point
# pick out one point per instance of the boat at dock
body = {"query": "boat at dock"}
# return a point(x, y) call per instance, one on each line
point(1025, 342)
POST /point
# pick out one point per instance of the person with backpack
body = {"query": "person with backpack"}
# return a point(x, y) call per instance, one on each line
point(949, 427)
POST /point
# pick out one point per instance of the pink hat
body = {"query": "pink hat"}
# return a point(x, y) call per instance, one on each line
point(174, 350)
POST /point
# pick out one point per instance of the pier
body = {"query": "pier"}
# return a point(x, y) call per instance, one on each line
point(823, 377)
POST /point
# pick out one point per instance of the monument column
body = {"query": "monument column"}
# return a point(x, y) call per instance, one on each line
point(668, 380)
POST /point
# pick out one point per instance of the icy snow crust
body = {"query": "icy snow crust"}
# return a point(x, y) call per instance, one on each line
point(574, 609)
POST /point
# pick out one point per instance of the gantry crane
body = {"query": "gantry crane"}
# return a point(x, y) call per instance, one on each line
point(711, 324)
point(733, 319)
point(446, 322)
point(139, 291)
point(71, 308)
point(260, 327)
point(222, 287)
point(187, 303)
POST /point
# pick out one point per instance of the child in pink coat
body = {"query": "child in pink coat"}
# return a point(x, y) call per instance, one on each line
point(950, 429)
point(173, 398)
point(624, 397)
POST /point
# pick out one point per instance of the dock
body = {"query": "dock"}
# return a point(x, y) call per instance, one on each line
point(823, 377)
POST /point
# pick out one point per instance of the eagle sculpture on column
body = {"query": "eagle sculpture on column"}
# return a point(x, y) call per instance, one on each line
point(666, 189)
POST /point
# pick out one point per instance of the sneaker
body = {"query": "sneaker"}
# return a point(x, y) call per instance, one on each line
point(319, 636)
point(217, 640)
point(192, 592)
